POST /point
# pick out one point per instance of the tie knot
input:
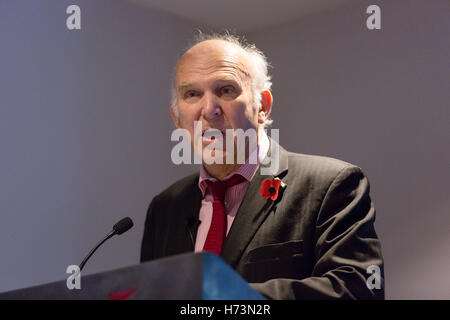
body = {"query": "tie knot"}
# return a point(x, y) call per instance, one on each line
point(218, 188)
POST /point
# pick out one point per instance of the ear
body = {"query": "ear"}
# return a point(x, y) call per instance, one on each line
point(174, 117)
point(265, 107)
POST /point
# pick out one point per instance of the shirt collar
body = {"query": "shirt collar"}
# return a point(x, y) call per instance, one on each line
point(247, 170)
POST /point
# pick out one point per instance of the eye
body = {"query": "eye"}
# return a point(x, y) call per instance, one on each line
point(190, 94)
point(228, 90)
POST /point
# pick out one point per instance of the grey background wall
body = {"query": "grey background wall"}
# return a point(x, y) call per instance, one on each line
point(85, 129)
point(379, 100)
point(85, 132)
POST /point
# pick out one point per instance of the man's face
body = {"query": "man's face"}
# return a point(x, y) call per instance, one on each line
point(213, 85)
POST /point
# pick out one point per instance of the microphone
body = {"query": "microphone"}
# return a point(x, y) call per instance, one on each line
point(120, 227)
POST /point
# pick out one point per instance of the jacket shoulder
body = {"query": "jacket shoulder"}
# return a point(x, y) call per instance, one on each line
point(318, 170)
point(179, 188)
point(317, 161)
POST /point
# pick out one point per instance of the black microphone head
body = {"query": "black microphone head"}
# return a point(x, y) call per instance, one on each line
point(123, 225)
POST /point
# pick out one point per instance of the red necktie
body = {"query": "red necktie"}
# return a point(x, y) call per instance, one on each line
point(218, 229)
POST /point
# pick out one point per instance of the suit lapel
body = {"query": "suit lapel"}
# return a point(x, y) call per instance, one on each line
point(252, 212)
point(182, 238)
point(192, 211)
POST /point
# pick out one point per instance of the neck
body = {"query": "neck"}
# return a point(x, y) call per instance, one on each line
point(220, 171)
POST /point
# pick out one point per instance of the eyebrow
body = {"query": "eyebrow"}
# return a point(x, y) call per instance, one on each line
point(185, 85)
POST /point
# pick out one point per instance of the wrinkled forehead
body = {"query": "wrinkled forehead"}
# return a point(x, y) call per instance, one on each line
point(214, 58)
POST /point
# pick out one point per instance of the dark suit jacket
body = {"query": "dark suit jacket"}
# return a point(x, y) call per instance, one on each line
point(314, 242)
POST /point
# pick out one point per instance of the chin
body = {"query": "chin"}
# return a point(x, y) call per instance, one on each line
point(212, 156)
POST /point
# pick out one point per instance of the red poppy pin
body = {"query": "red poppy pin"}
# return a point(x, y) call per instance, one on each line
point(270, 188)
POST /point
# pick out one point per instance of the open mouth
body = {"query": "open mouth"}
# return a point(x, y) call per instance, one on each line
point(211, 134)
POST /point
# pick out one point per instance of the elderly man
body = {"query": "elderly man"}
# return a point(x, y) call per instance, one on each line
point(305, 231)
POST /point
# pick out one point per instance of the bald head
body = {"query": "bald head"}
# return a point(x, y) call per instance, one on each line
point(211, 55)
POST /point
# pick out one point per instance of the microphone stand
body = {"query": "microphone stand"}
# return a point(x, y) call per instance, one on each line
point(109, 235)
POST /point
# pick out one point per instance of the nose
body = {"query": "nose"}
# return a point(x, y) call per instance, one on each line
point(211, 108)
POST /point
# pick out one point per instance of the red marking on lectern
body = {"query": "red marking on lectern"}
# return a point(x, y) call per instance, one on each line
point(122, 295)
